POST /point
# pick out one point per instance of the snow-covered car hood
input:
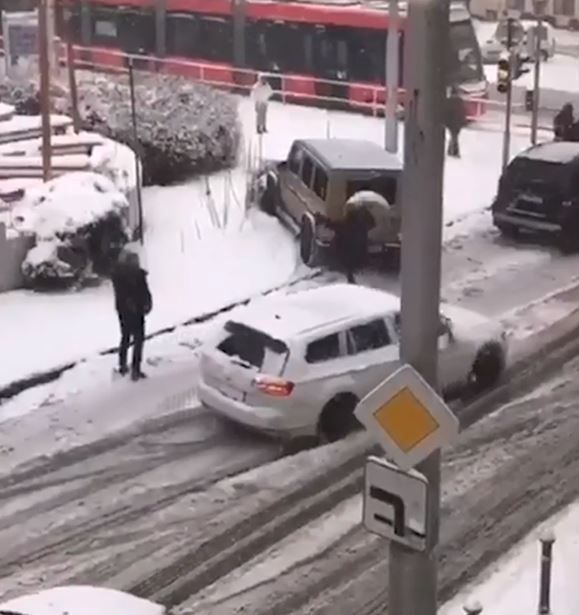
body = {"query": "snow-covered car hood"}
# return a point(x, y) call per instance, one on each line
point(81, 600)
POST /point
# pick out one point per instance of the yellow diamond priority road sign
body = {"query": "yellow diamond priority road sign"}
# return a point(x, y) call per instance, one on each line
point(407, 418)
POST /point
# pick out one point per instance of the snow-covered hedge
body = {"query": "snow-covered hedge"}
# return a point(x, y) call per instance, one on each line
point(183, 128)
point(78, 221)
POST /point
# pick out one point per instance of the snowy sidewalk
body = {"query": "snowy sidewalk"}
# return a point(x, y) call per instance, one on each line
point(99, 414)
point(511, 585)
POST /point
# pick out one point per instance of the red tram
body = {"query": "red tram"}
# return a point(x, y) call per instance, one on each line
point(320, 51)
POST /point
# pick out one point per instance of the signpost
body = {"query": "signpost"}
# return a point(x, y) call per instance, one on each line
point(412, 573)
point(407, 418)
point(395, 503)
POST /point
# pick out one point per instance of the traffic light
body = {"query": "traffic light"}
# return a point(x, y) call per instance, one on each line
point(503, 75)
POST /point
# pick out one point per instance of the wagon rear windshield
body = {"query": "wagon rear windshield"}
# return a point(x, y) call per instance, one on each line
point(255, 348)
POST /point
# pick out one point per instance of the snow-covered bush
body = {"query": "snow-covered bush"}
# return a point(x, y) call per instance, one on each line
point(44, 267)
point(183, 128)
point(78, 221)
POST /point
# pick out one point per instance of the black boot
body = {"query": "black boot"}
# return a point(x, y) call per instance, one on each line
point(123, 370)
point(137, 374)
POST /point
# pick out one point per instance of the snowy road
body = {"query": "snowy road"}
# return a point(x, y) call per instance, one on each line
point(146, 510)
point(506, 474)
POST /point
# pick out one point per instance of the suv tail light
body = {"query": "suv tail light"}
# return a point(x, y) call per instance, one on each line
point(276, 387)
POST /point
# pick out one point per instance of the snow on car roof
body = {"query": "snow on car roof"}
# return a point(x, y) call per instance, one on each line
point(554, 151)
point(284, 316)
point(82, 600)
point(352, 154)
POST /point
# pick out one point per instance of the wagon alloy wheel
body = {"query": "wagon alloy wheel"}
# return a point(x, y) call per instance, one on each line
point(338, 419)
point(487, 368)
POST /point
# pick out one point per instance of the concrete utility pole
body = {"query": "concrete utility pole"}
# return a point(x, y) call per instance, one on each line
point(413, 575)
point(44, 68)
point(537, 75)
point(508, 110)
point(392, 63)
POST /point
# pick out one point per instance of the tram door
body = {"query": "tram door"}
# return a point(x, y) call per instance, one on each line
point(331, 64)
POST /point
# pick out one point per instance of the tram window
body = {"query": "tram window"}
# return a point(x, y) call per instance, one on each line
point(366, 52)
point(330, 53)
point(104, 26)
point(279, 46)
point(137, 31)
point(216, 39)
point(62, 28)
point(182, 35)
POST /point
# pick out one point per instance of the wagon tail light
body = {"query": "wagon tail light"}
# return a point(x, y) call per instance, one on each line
point(276, 387)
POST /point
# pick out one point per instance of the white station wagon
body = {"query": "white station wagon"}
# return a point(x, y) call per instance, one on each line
point(296, 365)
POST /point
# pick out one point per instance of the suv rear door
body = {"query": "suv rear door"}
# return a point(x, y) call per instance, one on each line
point(241, 355)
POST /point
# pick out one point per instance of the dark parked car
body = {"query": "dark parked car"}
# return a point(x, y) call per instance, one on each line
point(539, 193)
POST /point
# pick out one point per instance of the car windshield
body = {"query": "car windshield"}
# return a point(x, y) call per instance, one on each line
point(254, 348)
point(501, 33)
point(538, 176)
point(465, 62)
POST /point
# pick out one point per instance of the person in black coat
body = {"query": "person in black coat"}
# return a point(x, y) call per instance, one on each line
point(455, 120)
point(352, 240)
point(133, 302)
point(563, 123)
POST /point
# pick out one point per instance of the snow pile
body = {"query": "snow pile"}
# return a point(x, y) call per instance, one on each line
point(78, 221)
point(183, 128)
point(68, 204)
point(43, 262)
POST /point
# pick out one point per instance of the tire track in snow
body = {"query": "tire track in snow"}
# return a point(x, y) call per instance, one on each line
point(32, 533)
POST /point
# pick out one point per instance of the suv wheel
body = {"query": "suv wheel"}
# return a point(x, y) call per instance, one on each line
point(268, 200)
point(337, 419)
point(487, 368)
point(509, 231)
point(308, 246)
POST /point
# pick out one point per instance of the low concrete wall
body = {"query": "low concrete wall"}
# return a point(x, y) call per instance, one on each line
point(13, 249)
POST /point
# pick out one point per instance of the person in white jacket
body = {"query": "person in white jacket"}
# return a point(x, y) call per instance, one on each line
point(261, 93)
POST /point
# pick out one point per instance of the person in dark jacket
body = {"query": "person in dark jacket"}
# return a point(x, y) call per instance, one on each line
point(133, 302)
point(455, 120)
point(352, 241)
point(563, 123)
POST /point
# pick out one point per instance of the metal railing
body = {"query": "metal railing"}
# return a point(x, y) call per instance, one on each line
point(369, 98)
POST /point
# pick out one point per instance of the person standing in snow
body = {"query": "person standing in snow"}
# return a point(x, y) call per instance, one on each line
point(563, 123)
point(352, 241)
point(133, 302)
point(455, 121)
point(261, 93)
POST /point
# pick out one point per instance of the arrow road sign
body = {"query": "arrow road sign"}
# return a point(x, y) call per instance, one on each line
point(407, 418)
point(395, 503)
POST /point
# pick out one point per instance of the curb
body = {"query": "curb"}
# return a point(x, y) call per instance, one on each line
point(29, 382)
point(535, 360)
